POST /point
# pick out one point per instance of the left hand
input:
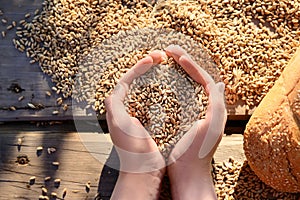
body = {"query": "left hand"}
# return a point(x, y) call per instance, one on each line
point(141, 164)
point(138, 152)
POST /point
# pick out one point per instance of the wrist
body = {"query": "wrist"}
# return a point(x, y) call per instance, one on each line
point(197, 165)
point(191, 182)
point(138, 185)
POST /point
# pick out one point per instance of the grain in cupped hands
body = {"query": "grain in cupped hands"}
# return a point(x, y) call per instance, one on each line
point(166, 108)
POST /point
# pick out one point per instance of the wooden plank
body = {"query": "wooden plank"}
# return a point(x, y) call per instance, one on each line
point(20, 6)
point(77, 166)
point(16, 69)
point(239, 110)
point(11, 53)
point(78, 155)
point(46, 114)
point(230, 146)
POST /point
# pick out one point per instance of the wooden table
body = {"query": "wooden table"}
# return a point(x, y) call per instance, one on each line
point(79, 162)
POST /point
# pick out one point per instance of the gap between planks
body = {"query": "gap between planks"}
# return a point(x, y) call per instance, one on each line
point(79, 162)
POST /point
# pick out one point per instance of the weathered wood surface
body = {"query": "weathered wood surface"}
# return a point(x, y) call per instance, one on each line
point(79, 161)
point(16, 69)
point(77, 165)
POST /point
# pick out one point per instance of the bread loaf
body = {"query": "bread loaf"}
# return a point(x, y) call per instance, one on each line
point(272, 135)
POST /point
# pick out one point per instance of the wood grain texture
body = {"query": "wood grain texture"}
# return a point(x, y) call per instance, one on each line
point(77, 165)
point(78, 155)
point(16, 69)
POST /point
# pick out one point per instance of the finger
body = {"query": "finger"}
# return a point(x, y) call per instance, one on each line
point(216, 116)
point(114, 103)
point(175, 51)
point(137, 70)
point(143, 66)
point(197, 135)
point(215, 99)
point(187, 140)
point(158, 56)
point(118, 119)
point(196, 72)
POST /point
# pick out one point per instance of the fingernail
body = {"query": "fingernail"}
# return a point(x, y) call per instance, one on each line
point(169, 49)
point(162, 56)
point(171, 52)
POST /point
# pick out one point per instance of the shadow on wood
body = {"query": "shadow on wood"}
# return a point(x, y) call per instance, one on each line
point(108, 177)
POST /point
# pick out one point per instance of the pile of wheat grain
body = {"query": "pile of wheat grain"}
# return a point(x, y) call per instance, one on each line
point(250, 41)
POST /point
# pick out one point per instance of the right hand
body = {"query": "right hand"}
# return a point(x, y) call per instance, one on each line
point(195, 149)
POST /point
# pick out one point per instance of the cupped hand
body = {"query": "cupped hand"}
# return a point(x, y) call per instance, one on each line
point(189, 166)
point(200, 142)
point(138, 153)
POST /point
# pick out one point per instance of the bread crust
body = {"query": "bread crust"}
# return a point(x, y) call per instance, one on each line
point(272, 135)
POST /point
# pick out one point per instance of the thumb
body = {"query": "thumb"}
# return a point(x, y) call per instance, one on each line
point(187, 140)
point(216, 120)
